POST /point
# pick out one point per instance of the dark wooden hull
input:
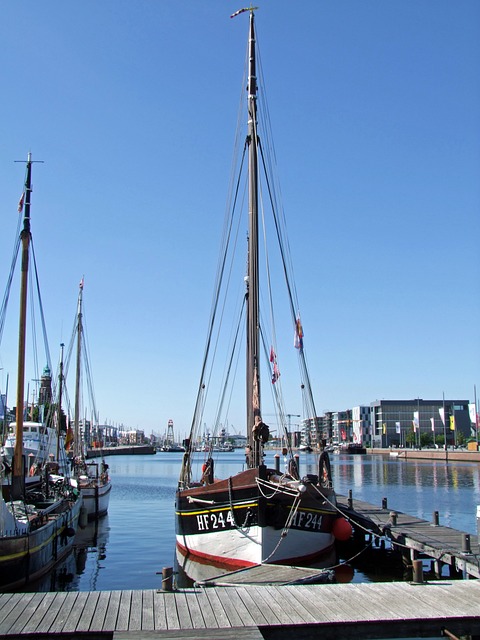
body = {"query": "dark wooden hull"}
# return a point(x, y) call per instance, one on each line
point(27, 557)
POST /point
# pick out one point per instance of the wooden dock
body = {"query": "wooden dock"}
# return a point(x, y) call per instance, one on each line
point(416, 537)
point(329, 611)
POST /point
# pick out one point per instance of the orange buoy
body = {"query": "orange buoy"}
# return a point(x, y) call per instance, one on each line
point(342, 529)
point(344, 573)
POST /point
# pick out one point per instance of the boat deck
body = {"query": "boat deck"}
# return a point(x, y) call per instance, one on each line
point(373, 610)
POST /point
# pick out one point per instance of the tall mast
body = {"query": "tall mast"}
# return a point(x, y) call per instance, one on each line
point(59, 407)
point(25, 237)
point(77, 449)
point(253, 374)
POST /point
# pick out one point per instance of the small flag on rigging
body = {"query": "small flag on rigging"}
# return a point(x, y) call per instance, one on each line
point(20, 203)
point(298, 339)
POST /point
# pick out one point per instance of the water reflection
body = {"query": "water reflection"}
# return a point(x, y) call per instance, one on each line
point(83, 563)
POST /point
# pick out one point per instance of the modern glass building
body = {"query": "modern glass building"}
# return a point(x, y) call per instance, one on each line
point(392, 420)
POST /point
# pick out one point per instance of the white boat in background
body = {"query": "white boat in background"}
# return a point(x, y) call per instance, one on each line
point(94, 484)
point(92, 477)
point(41, 444)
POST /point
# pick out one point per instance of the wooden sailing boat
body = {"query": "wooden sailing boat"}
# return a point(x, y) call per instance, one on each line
point(92, 476)
point(260, 514)
point(37, 527)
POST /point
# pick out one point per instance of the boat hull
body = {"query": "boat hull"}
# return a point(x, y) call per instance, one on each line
point(96, 500)
point(246, 520)
point(28, 556)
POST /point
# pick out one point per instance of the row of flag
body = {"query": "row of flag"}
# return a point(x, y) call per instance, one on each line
point(416, 422)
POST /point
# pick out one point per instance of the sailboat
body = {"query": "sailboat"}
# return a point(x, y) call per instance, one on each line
point(260, 514)
point(37, 526)
point(92, 476)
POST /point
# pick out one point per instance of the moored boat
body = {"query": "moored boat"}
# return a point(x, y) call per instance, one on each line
point(38, 524)
point(41, 443)
point(259, 514)
point(92, 477)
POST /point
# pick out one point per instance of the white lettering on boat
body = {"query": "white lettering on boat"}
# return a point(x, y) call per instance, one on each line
point(304, 520)
point(221, 520)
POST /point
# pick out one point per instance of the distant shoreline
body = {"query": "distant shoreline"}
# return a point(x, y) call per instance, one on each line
point(454, 455)
point(141, 449)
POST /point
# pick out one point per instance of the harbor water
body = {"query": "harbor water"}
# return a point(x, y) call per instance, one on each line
point(130, 546)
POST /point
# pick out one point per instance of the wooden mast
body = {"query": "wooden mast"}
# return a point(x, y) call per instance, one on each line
point(77, 449)
point(59, 406)
point(253, 373)
point(18, 475)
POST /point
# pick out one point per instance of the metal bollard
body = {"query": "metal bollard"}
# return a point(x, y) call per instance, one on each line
point(384, 503)
point(417, 568)
point(350, 499)
point(435, 519)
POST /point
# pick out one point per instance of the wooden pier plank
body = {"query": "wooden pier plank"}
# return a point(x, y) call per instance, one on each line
point(234, 614)
point(64, 612)
point(89, 607)
point(195, 611)
point(171, 612)
point(54, 609)
point(204, 604)
point(8, 602)
point(405, 602)
point(38, 614)
point(184, 618)
point(159, 611)
point(296, 609)
point(100, 612)
point(113, 607)
point(71, 620)
point(238, 615)
point(334, 610)
point(14, 610)
point(388, 608)
point(310, 604)
point(123, 617)
point(222, 618)
point(135, 618)
point(276, 614)
point(147, 610)
point(5, 598)
point(431, 594)
point(251, 605)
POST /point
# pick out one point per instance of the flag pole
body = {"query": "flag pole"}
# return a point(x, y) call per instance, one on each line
point(445, 429)
point(476, 416)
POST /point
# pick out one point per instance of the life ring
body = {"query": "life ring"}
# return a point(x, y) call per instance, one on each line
point(324, 470)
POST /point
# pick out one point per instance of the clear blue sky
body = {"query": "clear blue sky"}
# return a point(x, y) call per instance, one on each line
point(132, 105)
